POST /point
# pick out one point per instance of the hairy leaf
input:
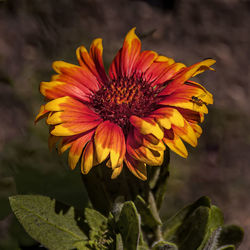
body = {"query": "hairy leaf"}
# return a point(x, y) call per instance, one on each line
point(95, 220)
point(51, 223)
point(173, 224)
point(231, 234)
point(215, 221)
point(164, 245)
point(129, 226)
point(118, 242)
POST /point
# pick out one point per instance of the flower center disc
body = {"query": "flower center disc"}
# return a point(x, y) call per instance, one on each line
point(123, 97)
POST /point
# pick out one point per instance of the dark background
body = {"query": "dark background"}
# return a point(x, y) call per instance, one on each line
point(35, 33)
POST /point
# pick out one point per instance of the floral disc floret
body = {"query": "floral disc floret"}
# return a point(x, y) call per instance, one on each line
point(123, 97)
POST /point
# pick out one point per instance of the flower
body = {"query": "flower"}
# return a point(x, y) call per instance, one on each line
point(144, 104)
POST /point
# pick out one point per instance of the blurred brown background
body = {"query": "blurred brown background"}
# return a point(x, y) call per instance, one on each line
point(35, 33)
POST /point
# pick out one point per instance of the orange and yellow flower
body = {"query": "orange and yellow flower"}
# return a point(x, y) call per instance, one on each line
point(144, 104)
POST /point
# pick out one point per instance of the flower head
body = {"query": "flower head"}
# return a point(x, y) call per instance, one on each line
point(144, 104)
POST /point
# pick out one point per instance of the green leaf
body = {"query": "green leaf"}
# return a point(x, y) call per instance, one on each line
point(142, 245)
point(54, 225)
point(80, 245)
point(95, 220)
point(129, 226)
point(200, 226)
point(173, 224)
point(149, 219)
point(192, 231)
point(213, 241)
point(231, 235)
point(164, 245)
point(99, 233)
point(215, 221)
point(118, 242)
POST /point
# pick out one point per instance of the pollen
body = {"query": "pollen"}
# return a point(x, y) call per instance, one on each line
point(120, 98)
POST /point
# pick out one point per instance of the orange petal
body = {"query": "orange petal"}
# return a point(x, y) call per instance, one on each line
point(55, 118)
point(145, 60)
point(187, 73)
point(162, 69)
point(73, 117)
point(80, 75)
point(96, 50)
point(117, 171)
point(167, 116)
point(57, 89)
point(88, 158)
point(93, 61)
point(66, 142)
point(197, 129)
point(42, 113)
point(77, 147)
point(142, 153)
point(191, 116)
point(147, 126)
point(186, 97)
point(126, 59)
point(148, 141)
point(72, 128)
point(110, 140)
point(138, 168)
point(186, 133)
point(175, 144)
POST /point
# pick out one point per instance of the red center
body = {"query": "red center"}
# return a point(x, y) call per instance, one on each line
point(123, 97)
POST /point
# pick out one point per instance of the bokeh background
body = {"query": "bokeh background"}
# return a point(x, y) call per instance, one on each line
point(35, 33)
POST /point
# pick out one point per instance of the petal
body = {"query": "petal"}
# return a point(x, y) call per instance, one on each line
point(189, 96)
point(77, 148)
point(56, 89)
point(187, 73)
point(110, 140)
point(67, 141)
point(148, 141)
point(191, 116)
point(96, 50)
point(147, 126)
point(93, 61)
point(145, 60)
point(88, 158)
point(138, 168)
point(165, 117)
point(70, 128)
point(174, 142)
point(71, 105)
point(81, 75)
point(73, 117)
point(117, 171)
point(203, 94)
point(162, 69)
point(42, 113)
point(57, 104)
point(142, 153)
point(186, 133)
point(63, 146)
point(126, 59)
point(197, 129)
